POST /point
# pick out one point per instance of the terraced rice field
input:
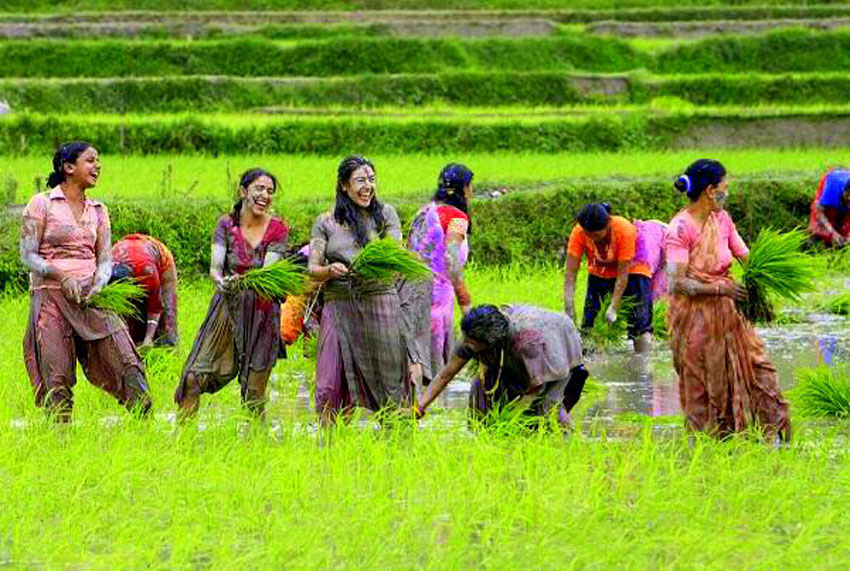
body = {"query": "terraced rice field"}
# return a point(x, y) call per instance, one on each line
point(552, 106)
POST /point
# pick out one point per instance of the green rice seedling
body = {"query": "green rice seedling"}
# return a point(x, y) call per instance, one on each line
point(822, 392)
point(274, 282)
point(659, 320)
point(606, 335)
point(776, 265)
point(839, 304)
point(385, 260)
point(119, 297)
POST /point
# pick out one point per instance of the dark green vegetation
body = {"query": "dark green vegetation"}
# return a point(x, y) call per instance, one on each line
point(525, 226)
point(823, 392)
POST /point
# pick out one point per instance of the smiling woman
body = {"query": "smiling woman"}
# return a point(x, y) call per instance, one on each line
point(239, 337)
point(66, 245)
point(362, 359)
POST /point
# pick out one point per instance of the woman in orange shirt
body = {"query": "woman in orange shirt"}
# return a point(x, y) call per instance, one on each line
point(609, 243)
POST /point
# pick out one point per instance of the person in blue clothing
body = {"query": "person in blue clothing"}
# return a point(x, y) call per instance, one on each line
point(830, 213)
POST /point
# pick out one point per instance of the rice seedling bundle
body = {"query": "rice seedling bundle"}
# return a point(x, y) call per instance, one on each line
point(776, 265)
point(603, 334)
point(822, 392)
point(119, 297)
point(275, 281)
point(385, 260)
point(659, 320)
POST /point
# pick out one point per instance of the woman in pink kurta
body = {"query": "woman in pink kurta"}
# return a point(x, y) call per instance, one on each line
point(726, 381)
point(66, 245)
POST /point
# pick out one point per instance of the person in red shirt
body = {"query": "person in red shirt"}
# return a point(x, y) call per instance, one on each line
point(150, 262)
point(829, 220)
point(609, 243)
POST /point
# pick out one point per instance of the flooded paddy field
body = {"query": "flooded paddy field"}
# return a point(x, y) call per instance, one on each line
point(627, 484)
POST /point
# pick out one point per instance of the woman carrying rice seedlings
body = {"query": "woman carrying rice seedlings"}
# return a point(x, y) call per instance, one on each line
point(66, 245)
point(150, 263)
point(439, 235)
point(361, 355)
point(829, 220)
point(726, 382)
point(620, 262)
point(240, 336)
point(527, 354)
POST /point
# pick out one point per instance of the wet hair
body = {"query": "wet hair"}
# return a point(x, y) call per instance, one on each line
point(594, 217)
point(245, 181)
point(120, 271)
point(486, 324)
point(699, 176)
point(346, 212)
point(450, 184)
point(67, 153)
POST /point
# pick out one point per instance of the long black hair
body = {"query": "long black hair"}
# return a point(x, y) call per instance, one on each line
point(346, 212)
point(67, 153)
point(699, 176)
point(594, 216)
point(245, 181)
point(486, 324)
point(450, 185)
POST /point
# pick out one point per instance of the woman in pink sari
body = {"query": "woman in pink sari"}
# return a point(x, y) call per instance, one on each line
point(726, 381)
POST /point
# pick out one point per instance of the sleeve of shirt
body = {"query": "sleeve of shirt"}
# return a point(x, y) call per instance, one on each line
point(36, 208)
point(736, 243)
point(677, 244)
point(220, 235)
point(575, 245)
point(319, 240)
point(626, 241)
point(149, 278)
point(392, 221)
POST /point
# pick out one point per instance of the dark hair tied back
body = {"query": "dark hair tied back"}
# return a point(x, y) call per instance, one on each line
point(346, 212)
point(67, 153)
point(245, 181)
point(594, 217)
point(486, 324)
point(700, 175)
point(451, 183)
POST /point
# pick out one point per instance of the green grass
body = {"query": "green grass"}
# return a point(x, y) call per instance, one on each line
point(119, 492)
point(822, 392)
point(413, 175)
point(119, 297)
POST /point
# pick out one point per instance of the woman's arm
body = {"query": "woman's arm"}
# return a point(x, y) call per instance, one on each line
point(454, 242)
point(448, 372)
point(32, 232)
point(103, 253)
point(681, 284)
point(570, 274)
point(316, 266)
point(620, 284)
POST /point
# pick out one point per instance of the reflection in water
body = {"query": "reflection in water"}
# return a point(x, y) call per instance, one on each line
point(648, 385)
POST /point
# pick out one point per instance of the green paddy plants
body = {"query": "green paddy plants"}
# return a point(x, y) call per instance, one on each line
point(120, 297)
point(386, 260)
point(822, 391)
point(275, 281)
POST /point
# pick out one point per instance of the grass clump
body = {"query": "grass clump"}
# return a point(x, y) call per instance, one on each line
point(119, 297)
point(822, 392)
point(839, 304)
point(275, 281)
point(659, 320)
point(386, 260)
point(776, 265)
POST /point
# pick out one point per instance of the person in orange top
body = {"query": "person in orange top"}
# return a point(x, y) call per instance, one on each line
point(609, 243)
point(149, 261)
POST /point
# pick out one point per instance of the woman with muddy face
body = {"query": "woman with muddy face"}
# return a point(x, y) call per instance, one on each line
point(240, 336)
point(726, 381)
point(362, 359)
point(528, 356)
point(66, 245)
point(611, 245)
point(829, 220)
point(439, 234)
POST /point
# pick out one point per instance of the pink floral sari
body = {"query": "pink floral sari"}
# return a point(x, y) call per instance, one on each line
point(726, 381)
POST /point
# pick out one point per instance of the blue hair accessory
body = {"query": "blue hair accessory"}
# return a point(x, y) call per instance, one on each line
point(687, 180)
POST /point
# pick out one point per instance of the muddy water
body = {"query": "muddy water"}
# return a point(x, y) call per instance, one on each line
point(648, 385)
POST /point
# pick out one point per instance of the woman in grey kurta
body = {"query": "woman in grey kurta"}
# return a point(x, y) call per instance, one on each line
point(362, 359)
point(527, 354)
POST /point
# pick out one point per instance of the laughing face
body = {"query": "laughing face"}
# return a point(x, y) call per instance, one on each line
point(361, 186)
point(257, 198)
point(85, 171)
